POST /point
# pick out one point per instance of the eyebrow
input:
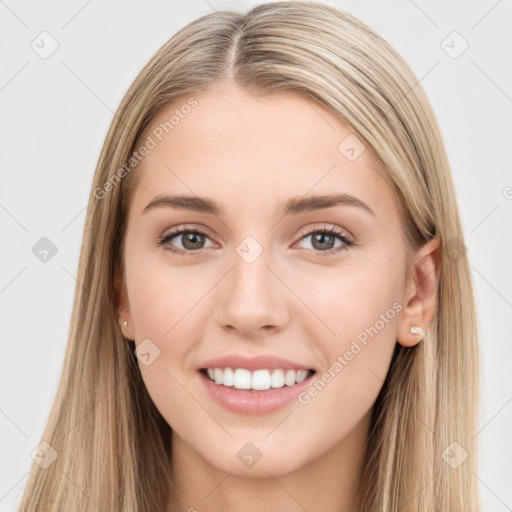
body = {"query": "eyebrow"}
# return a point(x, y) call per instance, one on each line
point(293, 206)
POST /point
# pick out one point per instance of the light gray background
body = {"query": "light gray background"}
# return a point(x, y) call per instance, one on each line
point(55, 113)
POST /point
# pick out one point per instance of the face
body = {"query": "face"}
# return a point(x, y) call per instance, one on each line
point(315, 287)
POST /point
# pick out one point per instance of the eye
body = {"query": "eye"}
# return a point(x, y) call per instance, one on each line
point(191, 240)
point(323, 240)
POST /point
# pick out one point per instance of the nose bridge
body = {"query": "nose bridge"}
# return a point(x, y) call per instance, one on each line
point(252, 296)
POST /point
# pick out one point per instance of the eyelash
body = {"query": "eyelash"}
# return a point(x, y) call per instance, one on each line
point(347, 242)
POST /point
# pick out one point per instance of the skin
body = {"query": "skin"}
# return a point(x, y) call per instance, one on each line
point(250, 154)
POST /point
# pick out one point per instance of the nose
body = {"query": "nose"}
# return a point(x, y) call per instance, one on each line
point(252, 299)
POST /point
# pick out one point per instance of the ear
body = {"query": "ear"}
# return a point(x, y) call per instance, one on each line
point(123, 307)
point(421, 293)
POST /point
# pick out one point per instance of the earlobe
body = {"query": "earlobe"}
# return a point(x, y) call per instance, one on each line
point(123, 308)
point(125, 329)
point(420, 295)
point(125, 324)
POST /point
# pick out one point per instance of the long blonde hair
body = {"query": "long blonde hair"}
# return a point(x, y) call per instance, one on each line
point(113, 446)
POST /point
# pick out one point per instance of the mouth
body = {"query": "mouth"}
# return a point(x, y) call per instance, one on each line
point(242, 379)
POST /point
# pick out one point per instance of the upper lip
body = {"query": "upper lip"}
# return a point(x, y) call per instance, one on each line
point(254, 363)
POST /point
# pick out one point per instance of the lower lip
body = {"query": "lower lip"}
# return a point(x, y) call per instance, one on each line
point(244, 401)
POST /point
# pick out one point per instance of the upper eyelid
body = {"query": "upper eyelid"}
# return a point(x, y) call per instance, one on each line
point(335, 230)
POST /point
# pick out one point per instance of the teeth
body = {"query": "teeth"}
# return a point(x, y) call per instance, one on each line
point(301, 375)
point(277, 379)
point(259, 380)
point(242, 378)
point(289, 378)
point(228, 378)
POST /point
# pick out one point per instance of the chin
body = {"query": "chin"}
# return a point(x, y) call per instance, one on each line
point(256, 459)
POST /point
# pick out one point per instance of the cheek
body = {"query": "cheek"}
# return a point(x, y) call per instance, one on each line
point(165, 303)
point(161, 297)
point(355, 325)
point(348, 299)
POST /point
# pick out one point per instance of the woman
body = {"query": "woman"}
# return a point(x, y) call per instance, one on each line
point(274, 308)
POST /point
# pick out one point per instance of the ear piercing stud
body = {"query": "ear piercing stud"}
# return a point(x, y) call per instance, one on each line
point(417, 330)
point(125, 323)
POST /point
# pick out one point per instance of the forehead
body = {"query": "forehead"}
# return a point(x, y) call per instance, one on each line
point(255, 150)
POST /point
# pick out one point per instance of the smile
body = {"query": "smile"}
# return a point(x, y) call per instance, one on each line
point(257, 380)
point(254, 392)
